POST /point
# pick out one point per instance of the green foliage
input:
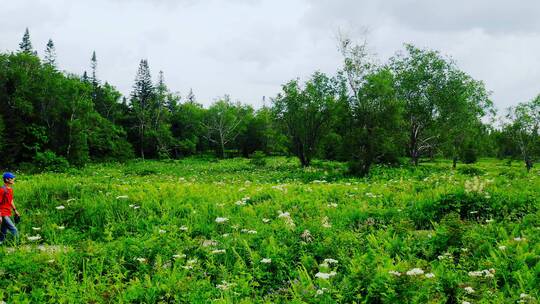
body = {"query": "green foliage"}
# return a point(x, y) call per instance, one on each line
point(258, 159)
point(471, 171)
point(49, 161)
point(374, 137)
point(524, 130)
point(223, 122)
point(469, 155)
point(146, 231)
point(305, 113)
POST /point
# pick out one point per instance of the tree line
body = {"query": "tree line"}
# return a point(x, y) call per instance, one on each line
point(418, 104)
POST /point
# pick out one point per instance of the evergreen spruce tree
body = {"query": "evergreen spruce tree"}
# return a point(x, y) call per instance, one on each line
point(93, 65)
point(191, 97)
point(161, 99)
point(94, 80)
point(50, 54)
point(26, 45)
point(85, 76)
point(142, 99)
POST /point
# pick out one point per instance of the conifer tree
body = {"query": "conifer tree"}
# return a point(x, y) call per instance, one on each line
point(26, 45)
point(191, 97)
point(50, 54)
point(85, 76)
point(142, 99)
point(93, 65)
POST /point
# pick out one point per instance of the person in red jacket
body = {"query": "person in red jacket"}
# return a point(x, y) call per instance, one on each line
point(6, 204)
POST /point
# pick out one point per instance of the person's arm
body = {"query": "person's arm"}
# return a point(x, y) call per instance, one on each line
point(14, 209)
point(1, 199)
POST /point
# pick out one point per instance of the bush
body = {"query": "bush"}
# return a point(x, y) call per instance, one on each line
point(49, 161)
point(258, 159)
point(471, 171)
point(469, 155)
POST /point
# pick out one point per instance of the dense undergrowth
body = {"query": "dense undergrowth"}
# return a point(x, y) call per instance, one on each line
point(199, 231)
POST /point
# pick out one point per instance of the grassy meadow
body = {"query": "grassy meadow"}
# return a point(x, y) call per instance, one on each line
point(205, 231)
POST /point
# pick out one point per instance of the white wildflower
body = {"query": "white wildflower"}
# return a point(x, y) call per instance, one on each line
point(141, 260)
point(306, 236)
point(502, 247)
point(430, 275)
point(266, 261)
point(136, 207)
point(287, 217)
point(184, 228)
point(208, 243)
point(36, 228)
point(224, 285)
point(415, 271)
point(330, 261)
point(265, 220)
point(218, 251)
point(161, 231)
point(178, 256)
point(34, 238)
point(325, 222)
point(393, 272)
point(332, 205)
point(221, 220)
point(284, 214)
point(61, 207)
point(60, 227)
point(324, 275)
point(519, 239)
point(465, 302)
point(252, 232)
point(469, 289)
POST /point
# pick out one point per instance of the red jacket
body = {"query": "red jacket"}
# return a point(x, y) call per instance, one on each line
point(6, 201)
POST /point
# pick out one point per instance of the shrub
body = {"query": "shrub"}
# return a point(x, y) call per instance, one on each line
point(49, 161)
point(258, 159)
point(470, 170)
point(469, 155)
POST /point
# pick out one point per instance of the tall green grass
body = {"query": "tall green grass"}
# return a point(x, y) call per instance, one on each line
point(146, 232)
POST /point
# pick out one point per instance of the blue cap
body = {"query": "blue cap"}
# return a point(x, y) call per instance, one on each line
point(8, 175)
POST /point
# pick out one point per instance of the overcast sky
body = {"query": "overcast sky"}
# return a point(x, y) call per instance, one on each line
point(248, 48)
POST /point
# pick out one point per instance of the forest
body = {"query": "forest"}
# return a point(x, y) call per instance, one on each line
point(417, 105)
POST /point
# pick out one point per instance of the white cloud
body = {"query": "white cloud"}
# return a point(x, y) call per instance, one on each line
point(249, 48)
